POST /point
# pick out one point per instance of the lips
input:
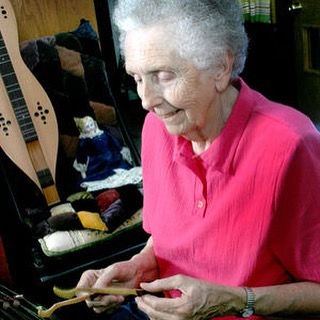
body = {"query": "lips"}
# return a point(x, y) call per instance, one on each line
point(167, 115)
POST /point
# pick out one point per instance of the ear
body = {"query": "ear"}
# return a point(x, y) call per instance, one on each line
point(223, 73)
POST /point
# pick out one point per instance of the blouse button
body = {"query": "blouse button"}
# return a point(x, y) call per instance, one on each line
point(200, 204)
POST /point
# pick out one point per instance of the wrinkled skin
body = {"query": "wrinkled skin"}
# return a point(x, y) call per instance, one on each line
point(126, 274)
point(198, 300)
point(122, 274)
point(190, 102)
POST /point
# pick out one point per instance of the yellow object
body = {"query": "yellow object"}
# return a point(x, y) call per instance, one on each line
point(91, 220)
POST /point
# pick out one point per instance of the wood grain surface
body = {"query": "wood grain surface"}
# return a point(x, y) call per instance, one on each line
point(47, 17)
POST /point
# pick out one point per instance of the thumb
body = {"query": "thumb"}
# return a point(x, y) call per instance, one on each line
point(159, 285)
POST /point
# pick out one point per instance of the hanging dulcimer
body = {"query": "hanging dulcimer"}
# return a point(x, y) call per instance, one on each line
point(28, 125)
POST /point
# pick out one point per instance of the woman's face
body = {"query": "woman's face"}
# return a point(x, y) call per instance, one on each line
point(183, 97)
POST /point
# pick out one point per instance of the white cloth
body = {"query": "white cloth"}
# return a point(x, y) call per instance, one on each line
point(120, 178)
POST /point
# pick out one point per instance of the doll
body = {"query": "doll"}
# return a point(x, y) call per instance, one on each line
point(98, 153)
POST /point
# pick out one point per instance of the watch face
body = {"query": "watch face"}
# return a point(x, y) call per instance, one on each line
point(247, 313)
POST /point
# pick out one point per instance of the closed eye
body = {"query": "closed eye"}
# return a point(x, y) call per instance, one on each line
point(165, 76)
point(137, 79)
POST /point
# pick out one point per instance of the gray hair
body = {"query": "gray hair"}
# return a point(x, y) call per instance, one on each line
point(205, 30)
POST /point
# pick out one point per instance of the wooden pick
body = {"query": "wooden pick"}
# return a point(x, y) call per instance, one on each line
point(46, 313)
point(67, 293)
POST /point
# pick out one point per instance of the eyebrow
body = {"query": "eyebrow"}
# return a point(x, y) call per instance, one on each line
point(155, 69)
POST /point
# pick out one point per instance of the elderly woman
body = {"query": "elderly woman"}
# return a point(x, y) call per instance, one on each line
point(231, 179)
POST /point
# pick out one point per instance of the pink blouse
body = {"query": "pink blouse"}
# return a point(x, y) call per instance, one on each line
point(247, 210)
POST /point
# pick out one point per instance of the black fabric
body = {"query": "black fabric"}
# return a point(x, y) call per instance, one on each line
point(131, 198)
point(65, 221)
point(70, 94)
point(85, 205)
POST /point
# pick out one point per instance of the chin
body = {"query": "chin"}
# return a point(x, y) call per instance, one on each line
point(184, 131)
point(174, 130)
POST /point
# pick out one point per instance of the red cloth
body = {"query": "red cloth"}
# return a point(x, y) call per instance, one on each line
point(106, 198)
point(5, 275)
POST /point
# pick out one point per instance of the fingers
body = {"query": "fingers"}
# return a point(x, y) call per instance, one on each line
point(99, 279)
point(159, 308)
point(166, 284)
point(118, 272)
point(105, 303)
point(167, 308)
point(89, 278)
point(109, 275)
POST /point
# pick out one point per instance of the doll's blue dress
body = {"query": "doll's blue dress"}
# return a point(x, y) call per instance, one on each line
point(102, 153)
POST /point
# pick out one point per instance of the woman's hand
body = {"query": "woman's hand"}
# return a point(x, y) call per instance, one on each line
point(127, 274)
point(199, 299)
point(122, 274)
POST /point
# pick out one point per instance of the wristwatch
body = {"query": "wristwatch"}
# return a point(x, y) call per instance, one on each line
point(250, 301)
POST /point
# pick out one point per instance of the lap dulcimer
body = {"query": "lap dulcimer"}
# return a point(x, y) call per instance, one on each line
point(28, 125)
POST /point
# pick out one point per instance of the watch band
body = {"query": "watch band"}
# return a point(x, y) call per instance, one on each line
point(250, 302)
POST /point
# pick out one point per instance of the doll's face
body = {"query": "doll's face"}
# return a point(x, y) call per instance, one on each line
point(89, 126)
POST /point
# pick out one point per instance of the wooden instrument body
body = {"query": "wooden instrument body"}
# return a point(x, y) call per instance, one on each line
point(38, 154)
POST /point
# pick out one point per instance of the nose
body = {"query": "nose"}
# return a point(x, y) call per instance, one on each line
point(150, 94)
